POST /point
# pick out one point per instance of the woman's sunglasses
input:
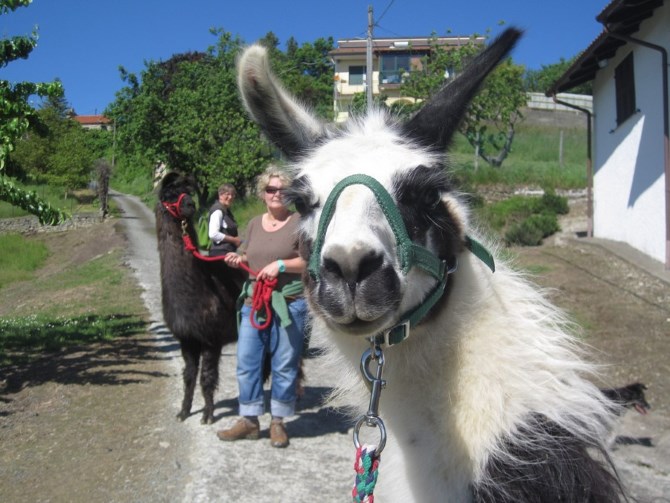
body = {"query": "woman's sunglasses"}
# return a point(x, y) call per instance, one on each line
point(272, 190)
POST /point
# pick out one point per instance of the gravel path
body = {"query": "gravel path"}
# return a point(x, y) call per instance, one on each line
point(317, 466)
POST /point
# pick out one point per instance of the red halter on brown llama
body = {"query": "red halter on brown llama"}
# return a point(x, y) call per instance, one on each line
point(198, 296)
point(488, 393)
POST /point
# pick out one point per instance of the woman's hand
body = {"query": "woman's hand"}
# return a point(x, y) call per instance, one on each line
point(270, 271)
point(233, 259)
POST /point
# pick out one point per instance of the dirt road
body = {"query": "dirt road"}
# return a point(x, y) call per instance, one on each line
point(97, 424)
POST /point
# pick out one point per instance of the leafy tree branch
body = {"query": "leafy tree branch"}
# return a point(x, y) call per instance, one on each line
point(17, 117)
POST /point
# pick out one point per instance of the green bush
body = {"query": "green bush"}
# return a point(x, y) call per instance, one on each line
point(511, 210)
point(554, 203)
point(532, 230)
point(523, 220)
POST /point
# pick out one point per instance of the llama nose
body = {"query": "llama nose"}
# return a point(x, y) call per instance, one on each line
point(352, 267)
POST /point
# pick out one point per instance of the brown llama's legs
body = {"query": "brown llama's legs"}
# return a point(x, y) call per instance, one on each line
point(209, 380)
point(190, 352)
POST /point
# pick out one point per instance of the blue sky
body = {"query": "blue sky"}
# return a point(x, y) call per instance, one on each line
point(83, 42)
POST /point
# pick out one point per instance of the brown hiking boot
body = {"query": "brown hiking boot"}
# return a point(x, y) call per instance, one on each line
point(278, 435)
point(243, 429)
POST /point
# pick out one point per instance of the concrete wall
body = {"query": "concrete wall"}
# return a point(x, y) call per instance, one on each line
point(538, 101)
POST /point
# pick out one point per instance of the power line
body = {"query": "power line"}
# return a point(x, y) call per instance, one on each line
point(384, 13)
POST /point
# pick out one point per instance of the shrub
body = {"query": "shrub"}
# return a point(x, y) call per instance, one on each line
point(554, 203)
point(525, 220)
point(532, 230)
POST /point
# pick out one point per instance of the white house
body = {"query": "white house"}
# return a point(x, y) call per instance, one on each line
point(392, 60)
point(631, 154)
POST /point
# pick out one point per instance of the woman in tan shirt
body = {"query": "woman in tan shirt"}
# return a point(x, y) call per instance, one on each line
point(271, 249)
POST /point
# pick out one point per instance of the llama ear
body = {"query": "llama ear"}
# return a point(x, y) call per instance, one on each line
point(289, 125)
point(437, 121)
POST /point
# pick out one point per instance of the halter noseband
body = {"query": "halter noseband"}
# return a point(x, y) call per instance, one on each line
point(174, 209)
point(409, 253)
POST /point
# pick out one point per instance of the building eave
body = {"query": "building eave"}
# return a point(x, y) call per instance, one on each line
point(622, 17)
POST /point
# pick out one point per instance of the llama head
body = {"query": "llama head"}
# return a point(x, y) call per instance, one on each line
point(175, 195)
point(359, 281)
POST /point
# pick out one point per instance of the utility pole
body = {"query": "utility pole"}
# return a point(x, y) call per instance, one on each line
point(368, 62)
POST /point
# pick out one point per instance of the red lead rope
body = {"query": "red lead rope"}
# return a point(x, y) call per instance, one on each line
point(262, 295)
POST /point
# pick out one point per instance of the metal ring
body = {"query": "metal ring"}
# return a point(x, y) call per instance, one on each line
point(371, 421)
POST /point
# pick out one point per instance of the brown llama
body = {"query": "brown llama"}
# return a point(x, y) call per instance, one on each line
point(198, 296)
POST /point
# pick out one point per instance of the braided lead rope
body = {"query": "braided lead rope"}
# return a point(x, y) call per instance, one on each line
point(367, 471)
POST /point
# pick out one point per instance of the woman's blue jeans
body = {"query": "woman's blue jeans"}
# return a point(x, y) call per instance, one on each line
point(284, 346)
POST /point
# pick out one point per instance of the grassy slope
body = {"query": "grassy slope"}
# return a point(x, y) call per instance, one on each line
point(81, 292)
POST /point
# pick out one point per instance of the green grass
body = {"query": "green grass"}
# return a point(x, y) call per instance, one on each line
point(19, 258)
point(534, 160)
point(97, 300)
point(537, 269)
point(246, 209)
point(24, 338)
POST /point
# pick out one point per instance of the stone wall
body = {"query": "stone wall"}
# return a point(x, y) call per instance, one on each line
point(30, 224)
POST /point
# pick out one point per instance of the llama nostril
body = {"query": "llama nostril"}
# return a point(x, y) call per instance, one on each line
point(368, 265)
point(332, 267)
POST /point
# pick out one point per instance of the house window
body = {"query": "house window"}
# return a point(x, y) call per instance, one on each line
point(356, 75)
point(392, 66)
point(624, 81)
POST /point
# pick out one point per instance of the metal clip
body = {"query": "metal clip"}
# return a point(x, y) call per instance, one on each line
point(375, 384)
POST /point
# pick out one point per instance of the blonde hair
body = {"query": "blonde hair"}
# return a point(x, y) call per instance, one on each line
point(271, 171)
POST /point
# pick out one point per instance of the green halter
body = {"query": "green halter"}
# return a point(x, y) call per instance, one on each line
point(409, 253)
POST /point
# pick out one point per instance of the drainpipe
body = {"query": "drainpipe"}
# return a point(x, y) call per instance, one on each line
point(666, 128)
point(589, 164)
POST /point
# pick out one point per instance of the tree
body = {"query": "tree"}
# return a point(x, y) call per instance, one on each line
point(103, 171)
point(310, 74)
point(540, 80)
point(489, 124)
point(306, 70)
point(359, 104)
point(186, 113)
point(61, 153)
point(17, 117)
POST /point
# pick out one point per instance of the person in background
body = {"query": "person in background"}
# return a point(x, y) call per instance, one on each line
point(222, 225)
point(271, 249)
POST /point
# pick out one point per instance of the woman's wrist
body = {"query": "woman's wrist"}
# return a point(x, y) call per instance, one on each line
point(282, 265)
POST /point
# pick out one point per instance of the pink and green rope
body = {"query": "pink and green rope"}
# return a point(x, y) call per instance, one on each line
point(366, 466)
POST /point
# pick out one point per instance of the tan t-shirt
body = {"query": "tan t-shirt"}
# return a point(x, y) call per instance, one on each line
point(263, 247)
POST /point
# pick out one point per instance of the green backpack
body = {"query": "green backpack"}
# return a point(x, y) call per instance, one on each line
point(202, 231)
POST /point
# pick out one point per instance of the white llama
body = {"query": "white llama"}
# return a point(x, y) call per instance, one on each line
point(487, 400)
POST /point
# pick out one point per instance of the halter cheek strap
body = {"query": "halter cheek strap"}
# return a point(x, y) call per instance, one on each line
point(409, 253)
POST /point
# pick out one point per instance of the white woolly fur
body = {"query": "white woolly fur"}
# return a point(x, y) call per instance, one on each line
point(498, 352)
point(495, 353)
point(492, 356)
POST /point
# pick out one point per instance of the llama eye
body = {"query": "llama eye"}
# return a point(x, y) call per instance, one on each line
point(431, 199)
point(300, 195)
point(301, 206)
